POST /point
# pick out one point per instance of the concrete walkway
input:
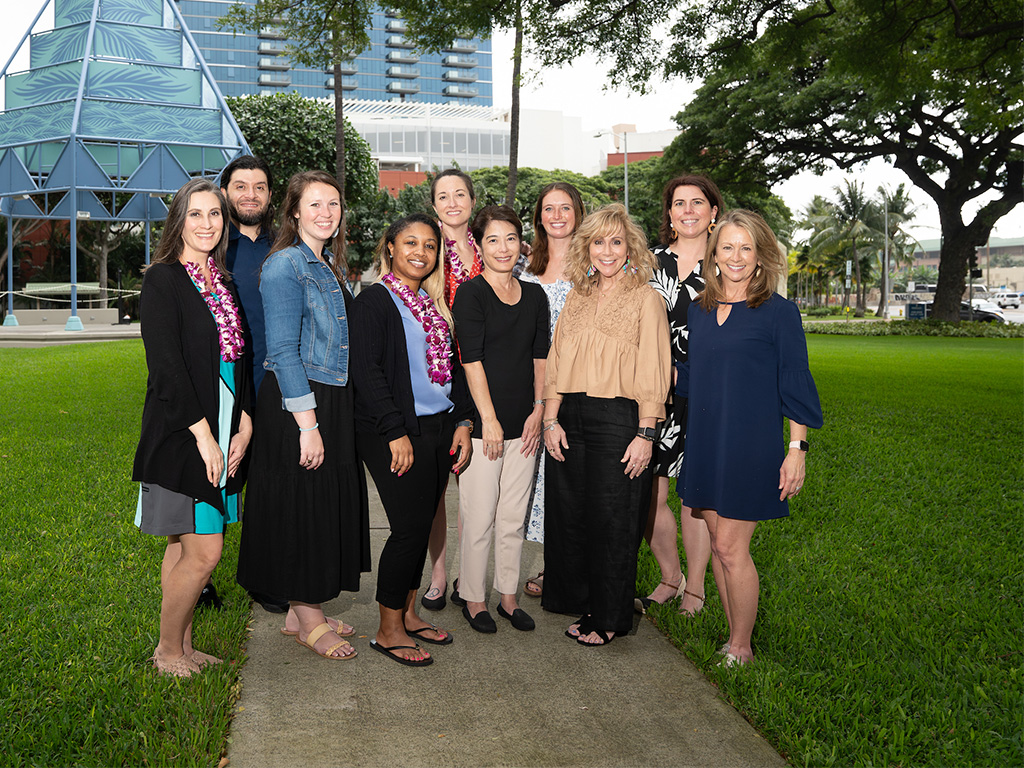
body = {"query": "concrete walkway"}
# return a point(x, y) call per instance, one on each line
point(28, 336)
point(510, 699)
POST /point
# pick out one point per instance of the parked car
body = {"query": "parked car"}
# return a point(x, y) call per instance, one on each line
point(1006, 299)
point(990, 315)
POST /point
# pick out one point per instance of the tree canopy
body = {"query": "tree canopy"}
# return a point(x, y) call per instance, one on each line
point(931, 86)
point(293, 134)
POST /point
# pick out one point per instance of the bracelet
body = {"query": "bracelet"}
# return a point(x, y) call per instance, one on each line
point(647, 433)
point(550, 427)
point(537, 402)
point(464, 423)
point(309, 429)
point(550, 421)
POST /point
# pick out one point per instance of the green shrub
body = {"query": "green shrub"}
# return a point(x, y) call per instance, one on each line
point(964, 329)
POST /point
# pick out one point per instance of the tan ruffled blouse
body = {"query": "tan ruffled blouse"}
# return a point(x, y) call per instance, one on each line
point(621, 351)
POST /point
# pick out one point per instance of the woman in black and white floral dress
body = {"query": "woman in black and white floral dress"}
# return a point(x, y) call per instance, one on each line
point(691, 204)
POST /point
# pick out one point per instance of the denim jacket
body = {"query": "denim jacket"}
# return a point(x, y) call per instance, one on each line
point(306, 325)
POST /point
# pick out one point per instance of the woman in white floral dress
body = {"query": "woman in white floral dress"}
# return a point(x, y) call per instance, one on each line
point(556, 217)
point(691, 204)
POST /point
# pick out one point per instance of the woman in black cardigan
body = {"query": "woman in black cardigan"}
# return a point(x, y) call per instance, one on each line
point(195, 422)
point(412, 419)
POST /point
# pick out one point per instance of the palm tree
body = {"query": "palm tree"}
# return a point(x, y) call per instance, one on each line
point(849, 219)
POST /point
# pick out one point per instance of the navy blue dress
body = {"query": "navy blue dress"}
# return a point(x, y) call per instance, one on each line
point(742, 378)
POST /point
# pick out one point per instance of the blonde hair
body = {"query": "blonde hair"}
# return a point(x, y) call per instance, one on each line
point(771, 261)
point(433, 284)
point(603, 222)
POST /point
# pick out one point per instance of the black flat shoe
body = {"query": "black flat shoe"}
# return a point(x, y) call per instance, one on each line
point(209, 598)
point(270, 604)
point(520, 619)
point(433, 604)
point(456, 597)
point(482, 622)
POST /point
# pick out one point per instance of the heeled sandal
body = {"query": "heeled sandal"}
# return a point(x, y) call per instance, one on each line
point(641, 604)
point(699, 608)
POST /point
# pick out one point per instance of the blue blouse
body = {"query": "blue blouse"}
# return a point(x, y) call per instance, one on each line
point(430, 398)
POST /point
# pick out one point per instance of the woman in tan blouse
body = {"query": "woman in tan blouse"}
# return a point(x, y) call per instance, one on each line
point(607, 381)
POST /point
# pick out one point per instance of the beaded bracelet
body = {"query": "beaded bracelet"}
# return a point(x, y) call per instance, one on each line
point(309, 429)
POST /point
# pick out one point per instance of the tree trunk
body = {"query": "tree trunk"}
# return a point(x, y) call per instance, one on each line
point(101, 269)
point(513, 149)
point(339, 143)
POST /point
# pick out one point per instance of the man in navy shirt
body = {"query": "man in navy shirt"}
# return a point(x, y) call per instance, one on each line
point(246, 183)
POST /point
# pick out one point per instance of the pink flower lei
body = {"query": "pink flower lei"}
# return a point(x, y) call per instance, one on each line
point(439, 340)
point(455, 265)
point(222, 305)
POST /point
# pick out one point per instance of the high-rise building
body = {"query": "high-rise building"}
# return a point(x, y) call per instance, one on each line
point(390, 70)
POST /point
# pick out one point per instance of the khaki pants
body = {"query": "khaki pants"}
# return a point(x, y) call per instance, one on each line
point(493, 495)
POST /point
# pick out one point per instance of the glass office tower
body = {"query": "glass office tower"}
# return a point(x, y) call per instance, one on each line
point(390, 70)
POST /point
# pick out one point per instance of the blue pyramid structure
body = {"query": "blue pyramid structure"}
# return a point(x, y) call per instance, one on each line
point(116, 110)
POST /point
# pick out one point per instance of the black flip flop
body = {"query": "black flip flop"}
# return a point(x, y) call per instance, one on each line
point(407, 662)
point(581, 622)
point(600, 633)
point(418, 634)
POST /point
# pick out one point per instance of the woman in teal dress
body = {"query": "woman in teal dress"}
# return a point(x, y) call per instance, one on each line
point(196, 423)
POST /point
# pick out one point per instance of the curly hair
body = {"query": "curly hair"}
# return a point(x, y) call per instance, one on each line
point(604, 222)
point(703, 183)
point(169, 249)
point(288, 234)
point(771, 261)
point(539, 246)
point(433, 283)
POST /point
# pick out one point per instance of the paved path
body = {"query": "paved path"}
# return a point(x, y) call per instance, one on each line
point(510, 699)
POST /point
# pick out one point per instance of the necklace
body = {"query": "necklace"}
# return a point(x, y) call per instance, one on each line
point(222, 306)
point(456, 272)
point(439, 342)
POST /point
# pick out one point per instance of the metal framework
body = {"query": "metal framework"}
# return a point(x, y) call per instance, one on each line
point(117, 110)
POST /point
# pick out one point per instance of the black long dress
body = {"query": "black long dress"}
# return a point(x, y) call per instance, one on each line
point(305, 533)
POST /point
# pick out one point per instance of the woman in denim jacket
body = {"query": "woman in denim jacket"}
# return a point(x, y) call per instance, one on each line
point(306, 530)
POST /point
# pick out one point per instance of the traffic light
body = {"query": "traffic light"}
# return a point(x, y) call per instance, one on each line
point(973, 266)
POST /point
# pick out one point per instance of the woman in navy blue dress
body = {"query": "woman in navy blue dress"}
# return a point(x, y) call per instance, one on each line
point(746, 370)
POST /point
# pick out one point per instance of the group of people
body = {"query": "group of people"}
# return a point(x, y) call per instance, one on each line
point(556, 380)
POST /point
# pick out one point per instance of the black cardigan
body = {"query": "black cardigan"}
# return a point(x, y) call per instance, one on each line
point(379, 364)
point(183, 386)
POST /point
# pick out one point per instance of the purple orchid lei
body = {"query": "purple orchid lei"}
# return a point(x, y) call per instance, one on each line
point(222, 305)
point(455, 265)
point(439, 340)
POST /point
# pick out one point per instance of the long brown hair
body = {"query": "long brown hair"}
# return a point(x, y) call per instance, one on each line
point(169, 249)
point(603, 222)
point(701, 182)
point(771, 261)
point(288, 233)
point(433, 283)
point(539, 246)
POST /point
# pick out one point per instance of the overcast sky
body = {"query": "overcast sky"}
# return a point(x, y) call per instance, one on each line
point(579, 91)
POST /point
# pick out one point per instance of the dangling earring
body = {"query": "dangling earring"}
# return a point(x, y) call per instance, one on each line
point(711, 227)
point(625, 267)
point(717, 271)
point(672, 229)
point(757, 270)
point(590, 272)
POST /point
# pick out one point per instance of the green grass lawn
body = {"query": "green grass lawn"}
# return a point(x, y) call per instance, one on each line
point(891, 620)
point(80, 585)
point(891, 617)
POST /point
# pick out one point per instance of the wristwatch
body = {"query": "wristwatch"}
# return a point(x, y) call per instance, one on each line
point(647, 433)
point(465, 423)
point(803, 445)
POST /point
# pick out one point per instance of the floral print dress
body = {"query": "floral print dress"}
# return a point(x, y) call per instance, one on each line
point(678, 294)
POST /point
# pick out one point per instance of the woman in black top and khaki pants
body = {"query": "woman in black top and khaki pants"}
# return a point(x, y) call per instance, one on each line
point(502, 327)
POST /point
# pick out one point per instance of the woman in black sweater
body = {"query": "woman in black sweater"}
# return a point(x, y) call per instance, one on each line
point(412, 419)
point(195, 422)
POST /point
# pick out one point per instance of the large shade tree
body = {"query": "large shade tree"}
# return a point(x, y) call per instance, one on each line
point(931, 86)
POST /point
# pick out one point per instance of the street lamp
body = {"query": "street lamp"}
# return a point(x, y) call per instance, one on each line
point(625, 155)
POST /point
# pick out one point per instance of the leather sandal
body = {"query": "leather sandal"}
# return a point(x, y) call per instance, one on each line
point(319, 632)
point(641, 604)
point(340, 631)
point(534, 587)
